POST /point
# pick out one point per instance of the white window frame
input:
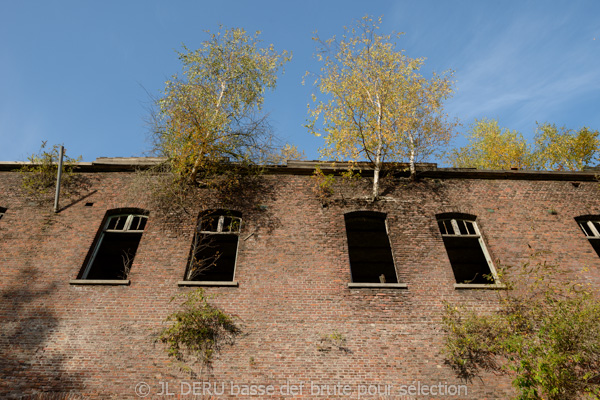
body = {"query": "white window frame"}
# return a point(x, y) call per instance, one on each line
point(590, 225)
point(456, 232)
point(125, 229)
point(220, 226)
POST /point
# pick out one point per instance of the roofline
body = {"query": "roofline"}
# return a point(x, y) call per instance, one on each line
point(295, 167)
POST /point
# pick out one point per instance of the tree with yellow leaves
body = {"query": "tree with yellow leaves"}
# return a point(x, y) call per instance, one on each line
point(566, 149)
point(558, 149)
point(377, 106)
point(491, 147)
point(211, 113)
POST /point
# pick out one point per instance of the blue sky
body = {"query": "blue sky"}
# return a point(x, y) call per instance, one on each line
point(79, 72)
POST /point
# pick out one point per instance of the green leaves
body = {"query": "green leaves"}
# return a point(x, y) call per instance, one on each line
point(211, 112)
point(198, 330)
point(39, 177)
point(545, 334)
point(375, 105)
point(491, 147)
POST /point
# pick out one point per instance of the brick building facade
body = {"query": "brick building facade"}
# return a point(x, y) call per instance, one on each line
point(311, 328)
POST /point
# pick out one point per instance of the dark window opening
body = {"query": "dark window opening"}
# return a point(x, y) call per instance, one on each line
point(371, 259)
point(214, 249)
point(466, 251)
point(116, 247)
point(595, 242)
point(591, 228)
point(2, 211)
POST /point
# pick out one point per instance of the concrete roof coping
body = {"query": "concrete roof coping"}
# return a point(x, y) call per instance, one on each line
point(306, 167)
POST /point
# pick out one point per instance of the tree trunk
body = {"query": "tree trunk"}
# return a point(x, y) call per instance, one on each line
point(413, 170)
point(377, 166)
point(376, 169)
point(376, 181)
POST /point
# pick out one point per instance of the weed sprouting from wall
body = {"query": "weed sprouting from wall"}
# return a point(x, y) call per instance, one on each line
point(39, 177)
point(197, 331)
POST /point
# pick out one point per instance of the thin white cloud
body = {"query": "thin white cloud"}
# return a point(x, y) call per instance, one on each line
point(531, 65)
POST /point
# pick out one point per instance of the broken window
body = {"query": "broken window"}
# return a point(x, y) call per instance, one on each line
point(116, 245)
point(468, 256)
point(371, 259)
point(214, 249)
point(2, 211)
point(590, 225)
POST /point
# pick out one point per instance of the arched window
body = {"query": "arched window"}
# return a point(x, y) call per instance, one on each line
point(214, 249)
point(371, 259)
point(590, 225)
point(112, 255)
point(466, 250)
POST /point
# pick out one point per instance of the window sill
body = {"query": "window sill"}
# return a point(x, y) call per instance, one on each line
point(358, 285)
point(122, 282)
point(488, 286)
point(208, 283)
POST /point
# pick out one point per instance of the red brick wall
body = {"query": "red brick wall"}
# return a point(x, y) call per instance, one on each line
point(292, 269)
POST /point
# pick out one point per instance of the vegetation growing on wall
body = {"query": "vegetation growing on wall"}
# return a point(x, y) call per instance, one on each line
point(323, 184)
point(210, 114)
point(208, 125)
point(198, 331)
point(376, 106)
point(39, 177)
point(545, 334)
point(333, 341)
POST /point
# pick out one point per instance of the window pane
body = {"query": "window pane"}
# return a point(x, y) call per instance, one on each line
point(467, 259)
point(209, 223)
point(120, 222)
point(443, 229)
point(596, 245)
point(114, 249)
point(597, 226)
point(462, 227)
point(214, 258)
point(112, 223)
point(135, 221)
point(470, 228)
point(586, 229)
point(369, 250)
point(449, 227)
point(114, 256)
point(142, 224)
point(231, 224)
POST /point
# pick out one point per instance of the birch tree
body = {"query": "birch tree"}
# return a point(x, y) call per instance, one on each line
point(566, 149)
point(493, 147)
point(211, 111)
point(376, 105)
point(553, 149)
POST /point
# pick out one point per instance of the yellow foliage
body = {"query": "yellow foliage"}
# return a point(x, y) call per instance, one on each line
point(377, 106)
point(491, 147)
point(210, 113)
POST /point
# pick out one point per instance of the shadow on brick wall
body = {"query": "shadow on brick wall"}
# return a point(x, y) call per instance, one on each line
point(30, 366)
